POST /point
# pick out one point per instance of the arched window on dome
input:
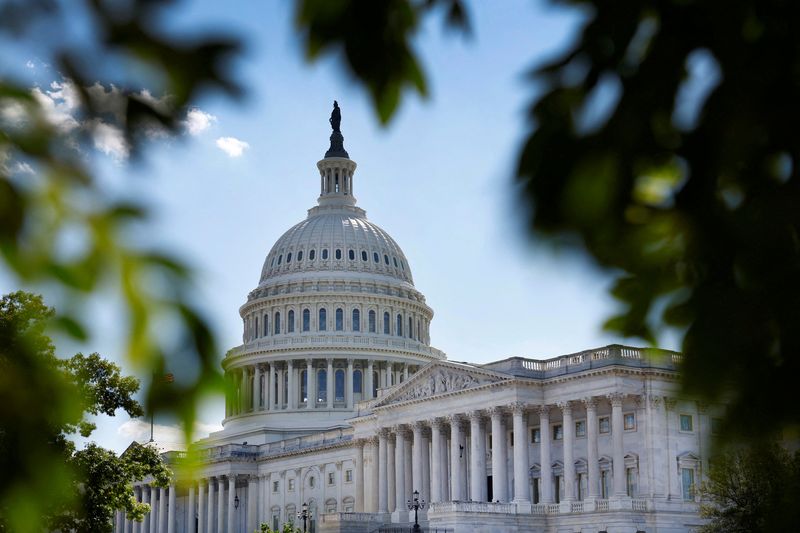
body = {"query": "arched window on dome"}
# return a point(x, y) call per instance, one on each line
point(306, 320)
point(300, 255)
point(386, 259)
point(324, 253)
point(399, 331)
point(376, 379)
point(280, 258)
point(395, 261)
point(339, 319)
point(410, 328)
point(290, 321)
point(363, 255)
point(289, 257)
point(312, 254)
point(402, 265)
point(338, 395)
point(303, 387)
point(255, 326)
point(351, 254)
point(266, 324)
point(323, 320)
point(375, 257)
point(338, 254)
point(272, 264)
point(357, 385)
point(386, 320)
point(419, 331)
point(322, 385)
point(276, 324)
point(371, 321)
point(356, 320)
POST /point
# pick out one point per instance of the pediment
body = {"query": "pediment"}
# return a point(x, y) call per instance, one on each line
point(441, 378)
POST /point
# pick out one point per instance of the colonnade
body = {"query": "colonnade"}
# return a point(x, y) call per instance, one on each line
point(445, 458)
point(277, 385)
point(160, 518)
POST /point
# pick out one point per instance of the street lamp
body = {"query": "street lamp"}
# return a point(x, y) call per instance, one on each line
point(236, 502)
point(416, 504)
point(304, 515)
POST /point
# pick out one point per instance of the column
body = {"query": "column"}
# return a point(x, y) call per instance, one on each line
point(477, 461)
point(405, 372)
point(257, 388)
point(273, 378)
point(409, 460)
point(368, 381)
point(220, 505)
point(522, 492)
point(190, 513)
point(231, 502)
point(210, 508)
point(136, 527)
point(162, 510)
point(416, 463)
point(311, 402)
point(544, 455)
point(618, 453)
point(348, 383)
point(329, 381)
point(390, 471)
point(171, 509)
point(358, 467)
point(569, 452)
point(292, 401)
point(373, 478)
point(383, 494)
point(591, 454)
point(425, 491)
point(499, 474)
point(658, 447)
point(457, 491)
point(252, 502)
point(146, 499)
point(201, 507)
point(400, 492)
point(436, 460)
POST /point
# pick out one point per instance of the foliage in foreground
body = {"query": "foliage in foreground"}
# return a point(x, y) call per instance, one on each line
point(287, 528)
point(752, 489)
point(44, 401)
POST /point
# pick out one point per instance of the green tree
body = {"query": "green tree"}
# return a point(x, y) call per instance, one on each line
point(44, 402)
point(662, 146)
point(752, 489)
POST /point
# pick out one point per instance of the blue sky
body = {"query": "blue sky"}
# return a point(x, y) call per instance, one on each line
point(438, 179)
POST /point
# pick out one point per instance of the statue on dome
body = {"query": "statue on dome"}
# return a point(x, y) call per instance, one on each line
point(336, 117)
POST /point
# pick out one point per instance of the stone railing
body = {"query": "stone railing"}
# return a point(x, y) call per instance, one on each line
point(601, 505)
point(351, 517)
point(473, 507)
point(640, 505)
point(361, 341)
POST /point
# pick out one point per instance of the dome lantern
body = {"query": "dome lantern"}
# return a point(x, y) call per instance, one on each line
point(336, 169)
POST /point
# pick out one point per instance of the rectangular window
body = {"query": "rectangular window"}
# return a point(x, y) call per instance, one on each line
point(687, 423)
point(580, 428)
point(604, 424)
point(687, 484)
point(348, 476)
point(291, 484)
point(558, 488)
point(630, 482)
point(582, 486)
point(629, 421)
point(536, 481)
point(331, 478)
point(511, 437)
point(604, 482)
point(536, 435)
point(275, 486)
point(558, 432)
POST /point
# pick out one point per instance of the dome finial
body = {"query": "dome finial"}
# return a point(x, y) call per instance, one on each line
point(337, 140)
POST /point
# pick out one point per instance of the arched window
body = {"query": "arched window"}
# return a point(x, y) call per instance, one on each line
point(266, 325)
point(339, 386)
point(338, 254)
point(385, 259)
point(357, 383)
point(386, 323)
point(290, 321)
point(280, 258)
point(399, 331)
point(402, 264)
point(289, 257)
point(395, 261)
point(375, 257)
point(372, 321)
point(303, 387)
point(351, 254)
point(363, 255)
point(324, 253)
point(410, 328)
point(322, 385)
point(356, 320)
point(300, 255)
point(339, 319)
point(323, 320)
point(306, 320)
point(255, 326)
point(312, 254)
point(276, 324)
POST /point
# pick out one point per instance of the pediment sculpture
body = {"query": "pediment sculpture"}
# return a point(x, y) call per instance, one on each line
point(438, 382)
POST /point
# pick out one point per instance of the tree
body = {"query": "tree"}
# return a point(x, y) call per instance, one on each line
point(663, 146)
point(44, 401)
point(752, 489)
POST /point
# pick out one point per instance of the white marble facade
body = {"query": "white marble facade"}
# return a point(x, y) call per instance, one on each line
point(338, 401)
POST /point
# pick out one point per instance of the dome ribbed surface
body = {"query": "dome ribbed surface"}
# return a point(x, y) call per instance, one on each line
point(342, 230)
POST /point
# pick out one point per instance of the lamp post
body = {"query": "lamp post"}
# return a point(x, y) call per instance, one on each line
point(416, 504)
point(236, 502)
point(304, 515)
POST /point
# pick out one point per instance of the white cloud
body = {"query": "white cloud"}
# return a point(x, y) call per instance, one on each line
point(232, 146)
point(166, 437)
point(109, 139)
point(197, 121)
point(58, 105)
point(30, 64)
point(22, 168)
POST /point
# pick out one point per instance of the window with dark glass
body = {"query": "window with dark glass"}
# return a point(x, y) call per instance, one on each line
point(289, 257)
point(375, 257)
point(324, 253)
point(395, 261)
point(338, 254)
point(339, 386)
point(266, 325)
point(280, 258)
point(339, 319)
point(386, 259)
point(357, 381)
point(399, 331)
point(290, 322)
point(386, 323)
point(410, 328)
point(312, 254)
point(372, 321)
point(323, 317)
point(255, 326)
point(277, 323)
point(351, 254)
point(356, 320)
point(363, 255)
point(300, 255)
point(306, 320)
point(322, 385)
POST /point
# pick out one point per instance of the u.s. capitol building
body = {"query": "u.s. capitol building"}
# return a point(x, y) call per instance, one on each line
point(338, 401)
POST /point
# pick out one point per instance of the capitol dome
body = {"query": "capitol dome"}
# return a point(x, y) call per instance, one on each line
point(334, 321)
